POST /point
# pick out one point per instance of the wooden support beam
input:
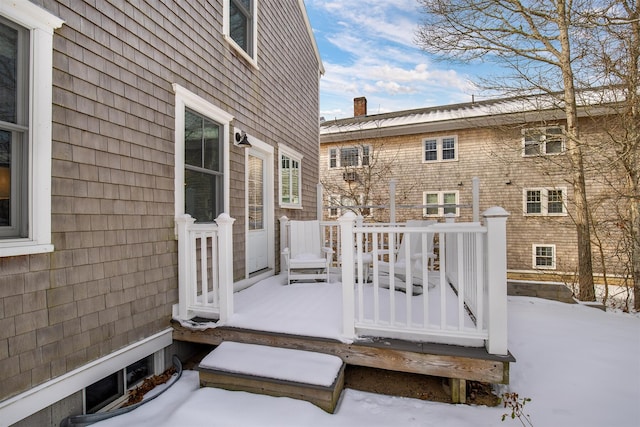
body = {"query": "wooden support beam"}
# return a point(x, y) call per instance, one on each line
point(458, 390)
point(453, 362)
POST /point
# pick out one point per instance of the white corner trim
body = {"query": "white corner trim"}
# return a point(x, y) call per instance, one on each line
point(21, 406)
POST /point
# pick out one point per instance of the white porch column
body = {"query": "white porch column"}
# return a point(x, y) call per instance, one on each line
point(496, 264)
point(184, 271)
point(225, 263)
point(347, 222)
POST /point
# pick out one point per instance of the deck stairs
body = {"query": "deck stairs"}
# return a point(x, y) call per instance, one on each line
point(315, 377)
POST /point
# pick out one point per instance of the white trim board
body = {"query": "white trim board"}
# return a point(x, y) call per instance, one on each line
point(25, 404)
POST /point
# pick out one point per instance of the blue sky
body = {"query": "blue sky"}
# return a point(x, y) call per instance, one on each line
point(368, 49)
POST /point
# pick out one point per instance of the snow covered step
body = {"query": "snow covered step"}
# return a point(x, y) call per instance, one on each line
point(315, 377)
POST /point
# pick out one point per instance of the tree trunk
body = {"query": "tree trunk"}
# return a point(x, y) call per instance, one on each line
point(583, 229)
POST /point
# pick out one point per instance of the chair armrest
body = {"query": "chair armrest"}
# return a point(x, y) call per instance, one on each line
point(327, 250)
point(419, 255)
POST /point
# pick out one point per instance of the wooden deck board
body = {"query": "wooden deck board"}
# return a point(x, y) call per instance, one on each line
point(446, 361)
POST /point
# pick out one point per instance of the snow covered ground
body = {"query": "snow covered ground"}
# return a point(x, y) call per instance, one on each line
point(579, 365)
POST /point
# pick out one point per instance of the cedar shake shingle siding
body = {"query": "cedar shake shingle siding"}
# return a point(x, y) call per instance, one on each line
point(112, 278)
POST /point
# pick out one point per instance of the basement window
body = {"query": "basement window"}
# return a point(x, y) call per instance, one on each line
point(111, 391)
point(544, 257)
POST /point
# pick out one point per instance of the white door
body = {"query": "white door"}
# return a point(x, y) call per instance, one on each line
point(258, 213)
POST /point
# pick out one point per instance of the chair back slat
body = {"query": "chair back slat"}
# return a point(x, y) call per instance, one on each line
point(305, 238)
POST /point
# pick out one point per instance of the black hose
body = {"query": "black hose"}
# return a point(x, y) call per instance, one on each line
point(88, 419)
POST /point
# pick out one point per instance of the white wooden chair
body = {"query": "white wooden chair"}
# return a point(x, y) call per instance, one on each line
point(416, 256)
point(305, 258)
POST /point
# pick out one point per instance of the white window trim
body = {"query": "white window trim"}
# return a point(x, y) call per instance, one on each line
point(293, 154)
point(439, 149)
point(338, 157)
point(186, 99)
point(544, 200)
point(543, 143)
point(252, 59)
point(41, 25)
point(533, 257)
point(440, 194)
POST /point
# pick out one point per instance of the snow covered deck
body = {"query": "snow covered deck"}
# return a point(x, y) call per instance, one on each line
point(308, 316)
point(447, 320)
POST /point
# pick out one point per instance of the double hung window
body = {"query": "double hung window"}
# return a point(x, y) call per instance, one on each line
point(345, 157)
point(544, 256)
point(290, 175)
point(545, 201)
point(440, 149)
point(542, 141)
point(240, 26)
point(14, 130)
point(202, 157)
point(203, 164)
point(440, 203)
point(26, 58)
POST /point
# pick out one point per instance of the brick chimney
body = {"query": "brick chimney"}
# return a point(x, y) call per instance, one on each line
point(359, 106)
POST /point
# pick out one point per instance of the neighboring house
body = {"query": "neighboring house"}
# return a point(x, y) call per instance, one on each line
point(116, 117)
point(515, 147)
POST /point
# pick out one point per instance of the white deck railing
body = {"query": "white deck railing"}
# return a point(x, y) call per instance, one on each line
point(466, 303)
point(205, 268)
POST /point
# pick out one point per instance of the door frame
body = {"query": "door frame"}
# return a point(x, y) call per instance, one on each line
point(267, 152)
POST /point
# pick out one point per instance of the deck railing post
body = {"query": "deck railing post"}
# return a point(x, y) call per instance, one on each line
point(475, 195)
point(284, 239)
point(225, 263)
point(185, 281)
point(346, 223)
point(496, 268)
point(392, 200)
point(319, 197)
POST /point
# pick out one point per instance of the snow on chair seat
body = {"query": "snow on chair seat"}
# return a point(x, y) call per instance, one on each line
point(315, 377)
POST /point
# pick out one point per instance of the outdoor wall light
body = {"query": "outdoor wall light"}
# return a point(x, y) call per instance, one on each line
point(242, 140)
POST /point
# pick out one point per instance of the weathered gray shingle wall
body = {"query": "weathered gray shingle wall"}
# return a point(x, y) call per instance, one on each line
point(113, 276)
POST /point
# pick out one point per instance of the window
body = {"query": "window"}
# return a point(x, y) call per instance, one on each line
point(541, 141)
point(349, 156)
point(333, 158)
point(203, 174)
point(341, 204)
point(290, 178)
point(240, 26)
point(440, 149)
point(202, 161)
point(544, 256)
point(440, 203)
point(110, 391)
point(14, 129)
point(26, 38)
point(545, 201)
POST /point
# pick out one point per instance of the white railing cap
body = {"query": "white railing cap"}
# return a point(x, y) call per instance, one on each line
point(495, 211)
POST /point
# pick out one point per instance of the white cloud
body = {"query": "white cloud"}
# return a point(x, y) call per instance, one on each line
point(368, 50)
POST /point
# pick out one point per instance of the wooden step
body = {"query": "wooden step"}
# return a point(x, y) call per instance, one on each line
point(315, 377)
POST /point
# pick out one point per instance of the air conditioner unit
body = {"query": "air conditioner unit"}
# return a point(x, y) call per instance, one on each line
point(350, 176)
